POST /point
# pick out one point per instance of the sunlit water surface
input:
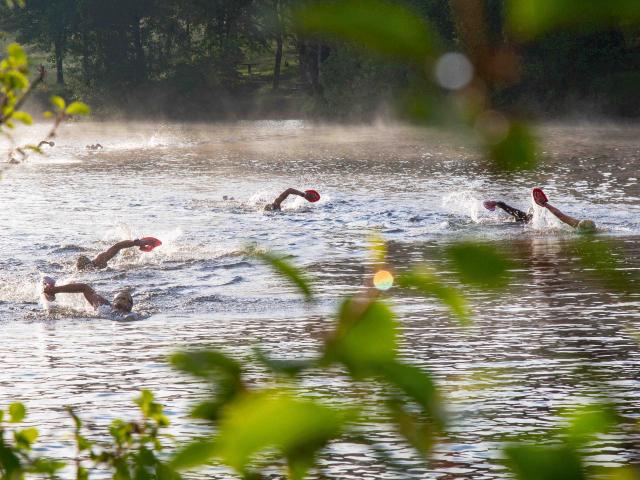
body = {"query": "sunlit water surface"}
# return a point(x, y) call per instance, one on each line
point(201, 189)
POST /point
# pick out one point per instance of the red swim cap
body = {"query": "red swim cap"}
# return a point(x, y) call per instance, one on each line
point(154, 243)
point(539, 197)
point(312, 195)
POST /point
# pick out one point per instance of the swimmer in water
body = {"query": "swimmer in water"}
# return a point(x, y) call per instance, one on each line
point(310, 195)
point(120, 306)
point(85, 263)
point(585, 226)
point(45, 142)
point(96, 146)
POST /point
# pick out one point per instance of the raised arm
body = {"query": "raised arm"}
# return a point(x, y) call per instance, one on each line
point(289, 191)
point(92, 297)
point(101, 260)
point(563, 217)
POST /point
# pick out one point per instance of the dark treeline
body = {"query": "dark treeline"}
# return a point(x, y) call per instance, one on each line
point(214, 58)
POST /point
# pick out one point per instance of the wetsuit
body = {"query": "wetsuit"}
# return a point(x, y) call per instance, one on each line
point(519, 215)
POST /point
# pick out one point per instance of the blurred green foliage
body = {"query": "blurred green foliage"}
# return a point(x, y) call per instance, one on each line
point(257, 427)
point(15, 87)
point(533, 17)
point(383, 27)
point(480, 265)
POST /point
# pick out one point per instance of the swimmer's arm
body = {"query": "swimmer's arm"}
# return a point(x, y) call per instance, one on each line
point(92, 297)
point(101, 260)
point(289, 191)
point(562, 216)
point(519, 215)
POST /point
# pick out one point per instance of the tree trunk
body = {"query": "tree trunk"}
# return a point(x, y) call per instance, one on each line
point(140, 69)
point(59, 53)
point(85, 59)
point(276, 68)
point(279, 42)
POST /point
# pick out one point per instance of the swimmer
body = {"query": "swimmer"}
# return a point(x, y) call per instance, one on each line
point(45, 142)
point(96, 146)
point(541, 199)
point(120, 306)
point(85, 263)
point(310, 195)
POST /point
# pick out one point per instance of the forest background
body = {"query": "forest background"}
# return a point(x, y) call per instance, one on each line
point(230, 59)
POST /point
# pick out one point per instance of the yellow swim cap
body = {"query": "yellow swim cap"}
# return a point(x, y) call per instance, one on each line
point(586, 226)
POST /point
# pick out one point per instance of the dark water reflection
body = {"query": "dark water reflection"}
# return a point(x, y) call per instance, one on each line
point(551, 340)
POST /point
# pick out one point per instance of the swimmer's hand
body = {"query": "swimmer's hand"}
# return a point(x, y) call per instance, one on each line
point(539, 197)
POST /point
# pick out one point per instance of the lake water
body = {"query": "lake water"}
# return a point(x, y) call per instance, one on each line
point(201, 189)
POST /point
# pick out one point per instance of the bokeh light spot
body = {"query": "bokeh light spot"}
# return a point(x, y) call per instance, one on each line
point(383, 280)
point(453, 71)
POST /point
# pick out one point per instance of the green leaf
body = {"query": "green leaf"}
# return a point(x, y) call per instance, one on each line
point(365, 339)
point(285, 367)
point(529, 18)
point(76, 419)
point(196, 453)
point(14, 80)
point(12, 3)
point(529, 462)
point(47, 467)
point(384, 27)
point(296, 427)
point(208, 410)
point(23, 117)
point(287, 270)
point(165, 472)
point(206, 364)
point(58, 102)
point(480, 265)
point(78, 108)
point(588, 421)
point(17, 54)
point(418, 386)
point(222, 371)
point(10, 463)
point(48, 114)
point(420, 434)
point(25, 438)
point(428, 284)
point(151, 409)
point(516, 151)
point(17, 412)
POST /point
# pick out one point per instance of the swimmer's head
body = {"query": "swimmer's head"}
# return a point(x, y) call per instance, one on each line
point(84, 263)
point(312, 195)
point(123, 302)
point(586, 226)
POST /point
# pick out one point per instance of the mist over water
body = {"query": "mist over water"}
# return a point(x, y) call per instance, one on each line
point(201, 189)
